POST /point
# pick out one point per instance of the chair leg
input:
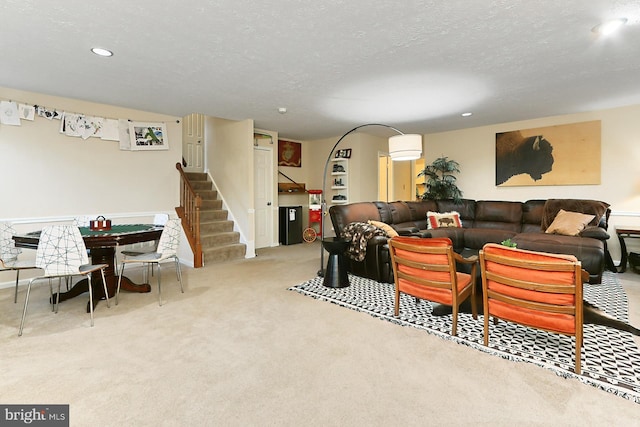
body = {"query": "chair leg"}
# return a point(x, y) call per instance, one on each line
point(90, 298)
point(159, 284)
point(15, 297)
point(579, 340)
point(53, 300)
point(454, 320)
point(58, 294)
point(396, 309)
point(24, 312)
point(119, 280)
point(179, 273)
point(486, 328)
point(104, 285)
point(474, 304)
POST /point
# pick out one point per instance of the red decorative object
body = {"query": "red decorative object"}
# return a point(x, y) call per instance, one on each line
point(289, 153)
point(100, 224)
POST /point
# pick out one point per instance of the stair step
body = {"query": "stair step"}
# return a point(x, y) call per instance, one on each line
point(219, 242)
point(211, 241)
point(224, 253)
point(208, 194)
point(208, 204)
point(212, 227)
point(196, 176)
point(213, 215)
point(202, 185)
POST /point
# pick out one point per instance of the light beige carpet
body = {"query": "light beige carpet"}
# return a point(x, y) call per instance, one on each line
point(237, 348)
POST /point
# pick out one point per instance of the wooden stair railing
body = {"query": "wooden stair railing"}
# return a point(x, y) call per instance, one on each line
point(189, 213)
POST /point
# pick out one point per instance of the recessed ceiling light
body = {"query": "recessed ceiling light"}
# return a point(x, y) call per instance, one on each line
point(609, 27)
point(282, 110)
point(101, 52)
point(466, 114)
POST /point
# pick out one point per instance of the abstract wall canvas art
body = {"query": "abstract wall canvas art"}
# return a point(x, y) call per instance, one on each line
point(553, 155)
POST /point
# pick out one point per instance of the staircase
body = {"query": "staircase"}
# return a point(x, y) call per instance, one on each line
point(218, 240)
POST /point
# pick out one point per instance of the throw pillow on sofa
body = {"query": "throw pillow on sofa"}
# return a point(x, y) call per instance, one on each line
point(391, 232)
point(443, 220)
point(569, 223)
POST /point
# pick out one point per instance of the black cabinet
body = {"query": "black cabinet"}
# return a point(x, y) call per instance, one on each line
point(290, 225)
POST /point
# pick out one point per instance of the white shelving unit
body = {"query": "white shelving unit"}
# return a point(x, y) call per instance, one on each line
point(339, 193)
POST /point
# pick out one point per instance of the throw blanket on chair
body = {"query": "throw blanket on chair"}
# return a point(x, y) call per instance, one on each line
point(358, 234)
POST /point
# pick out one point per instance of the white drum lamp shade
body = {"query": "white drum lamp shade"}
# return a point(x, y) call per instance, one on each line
point(405, 147)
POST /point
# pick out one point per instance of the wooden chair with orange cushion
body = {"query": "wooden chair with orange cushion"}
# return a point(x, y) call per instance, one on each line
point(426, 269)
point(534, 289)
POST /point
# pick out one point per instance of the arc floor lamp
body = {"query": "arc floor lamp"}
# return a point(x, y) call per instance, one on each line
point(401, 147)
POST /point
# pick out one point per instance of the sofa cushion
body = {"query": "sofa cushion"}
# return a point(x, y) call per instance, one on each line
point(466, 208)
point(595, 233)
point(498, 214)
point(456, 235)
point(590, 252)
point(569, 223)
point(419, 211)
point(443, 220)
point(343, 215)
point(400, 212)
point(589, 207)
point(532, 211)
point(391, 232)
point(476, 238)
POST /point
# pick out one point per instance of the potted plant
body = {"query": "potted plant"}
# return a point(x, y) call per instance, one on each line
point(440, 181)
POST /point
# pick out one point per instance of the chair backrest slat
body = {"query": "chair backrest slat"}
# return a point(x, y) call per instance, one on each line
point(170, 238)
point(8, 250)
point(61, 250)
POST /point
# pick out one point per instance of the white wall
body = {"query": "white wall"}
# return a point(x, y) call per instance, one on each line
point(229, 159)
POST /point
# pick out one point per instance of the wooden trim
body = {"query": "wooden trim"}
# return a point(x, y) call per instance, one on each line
point(189, 214)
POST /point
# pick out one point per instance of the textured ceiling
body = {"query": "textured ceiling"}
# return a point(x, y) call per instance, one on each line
point(333, 64)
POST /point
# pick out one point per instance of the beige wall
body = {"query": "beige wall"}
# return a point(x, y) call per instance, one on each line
point(49, 178)
point(474, 149)
point(47, 174)
point(229, 160)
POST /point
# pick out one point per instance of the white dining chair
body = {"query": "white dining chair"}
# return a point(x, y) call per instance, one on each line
point(159, 219)
point(62, 253)
point(167, 250)
point(9, 255)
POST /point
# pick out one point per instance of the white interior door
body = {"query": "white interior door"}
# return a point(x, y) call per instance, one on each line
point(193, 143)
point(263, 194)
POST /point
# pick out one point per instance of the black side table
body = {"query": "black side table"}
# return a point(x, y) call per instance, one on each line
point(623, 232)
point(336, 274)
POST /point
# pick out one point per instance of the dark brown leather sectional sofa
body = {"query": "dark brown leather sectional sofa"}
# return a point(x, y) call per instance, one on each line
point(483, 221)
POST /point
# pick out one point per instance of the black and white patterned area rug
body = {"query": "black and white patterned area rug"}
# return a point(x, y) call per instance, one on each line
point(610, 357)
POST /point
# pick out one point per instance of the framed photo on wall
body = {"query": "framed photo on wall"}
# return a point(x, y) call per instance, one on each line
point(148, 136)
point(289, 153)
point(343, 154)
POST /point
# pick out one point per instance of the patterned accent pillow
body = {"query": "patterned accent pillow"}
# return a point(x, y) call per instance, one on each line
point(391, 232)
point(443, 220)
point(569, 223)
